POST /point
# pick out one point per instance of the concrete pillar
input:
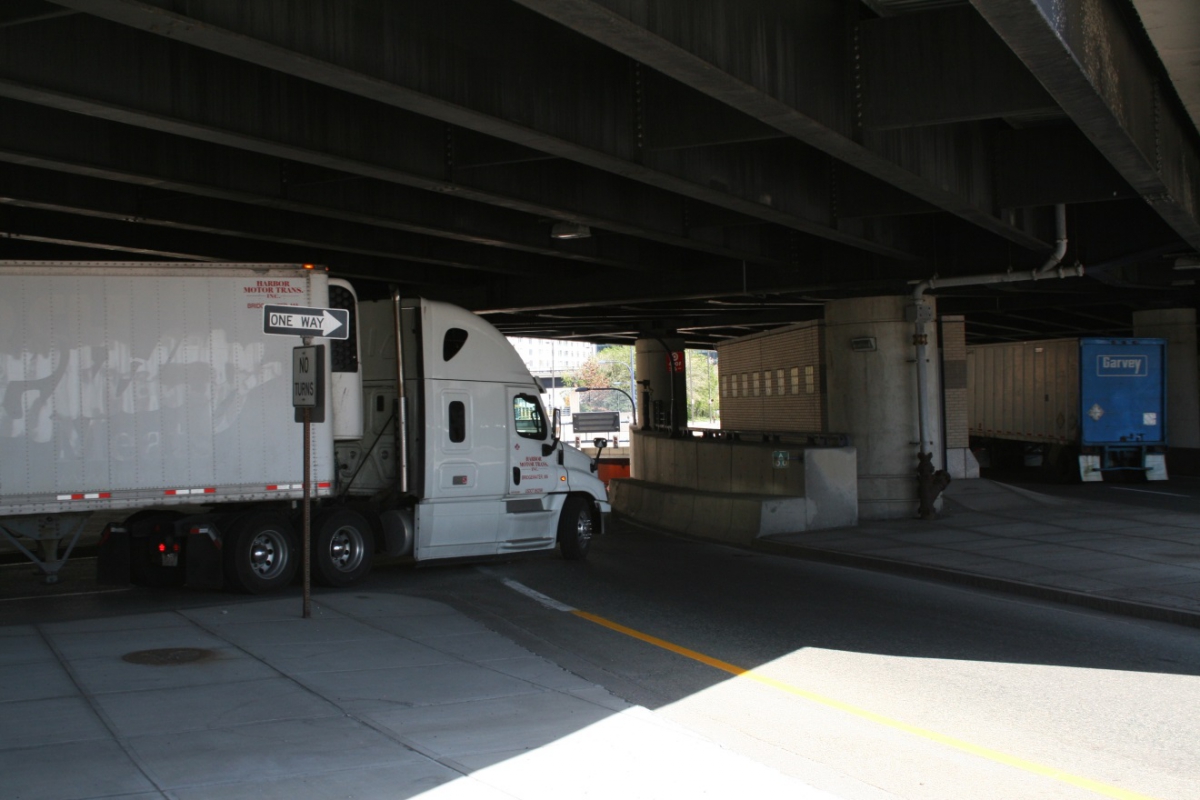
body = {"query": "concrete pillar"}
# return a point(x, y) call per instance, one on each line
point(960, 461)
point(872, 385)
point(1178, 327)
point(668, 388)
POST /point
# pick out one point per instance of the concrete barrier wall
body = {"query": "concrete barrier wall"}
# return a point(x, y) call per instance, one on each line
point(733, 491)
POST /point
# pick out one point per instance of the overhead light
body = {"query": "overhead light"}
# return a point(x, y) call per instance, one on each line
point(1187, 262)
point(570, 230)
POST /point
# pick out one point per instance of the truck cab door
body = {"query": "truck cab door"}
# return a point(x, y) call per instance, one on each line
point(466, 480)
point(529, 517)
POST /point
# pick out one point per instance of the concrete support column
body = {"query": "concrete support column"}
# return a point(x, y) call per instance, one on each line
point(667, 388)
point(1178, 327)
point(872, 385)
point(960, 461)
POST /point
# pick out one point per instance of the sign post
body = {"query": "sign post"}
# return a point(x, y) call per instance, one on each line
point(308, 392)
point(306, 546)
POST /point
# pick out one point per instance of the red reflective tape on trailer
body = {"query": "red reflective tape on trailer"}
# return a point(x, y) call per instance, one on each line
point(171, 492)
point(272, 487)
point(77, 497)
point(210, 490)
point(325, 485)
point(106, 495)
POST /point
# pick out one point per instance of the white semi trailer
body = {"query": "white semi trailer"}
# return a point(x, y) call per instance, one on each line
point(149, 393)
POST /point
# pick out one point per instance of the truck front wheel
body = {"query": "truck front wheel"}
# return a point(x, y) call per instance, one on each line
point(342, 547)
point(263, 554)
point(576, 524)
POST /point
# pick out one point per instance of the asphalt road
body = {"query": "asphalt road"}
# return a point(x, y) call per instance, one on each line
point(866, 685)
point(1004, 691)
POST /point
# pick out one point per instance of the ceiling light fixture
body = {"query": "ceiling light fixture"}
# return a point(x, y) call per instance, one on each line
point(570, 230)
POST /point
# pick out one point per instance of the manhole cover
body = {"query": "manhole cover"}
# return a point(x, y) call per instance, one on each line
point(169, 656)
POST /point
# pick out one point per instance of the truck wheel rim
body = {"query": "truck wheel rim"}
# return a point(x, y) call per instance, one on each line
point(268, 554)
point(346, 549)
point(583, 527)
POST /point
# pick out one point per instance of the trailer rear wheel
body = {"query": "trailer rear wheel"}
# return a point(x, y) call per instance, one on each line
point(576, 524)
point(263, 555)
point(343, 545)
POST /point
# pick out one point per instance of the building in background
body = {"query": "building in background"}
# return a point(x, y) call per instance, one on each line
point(548, 358)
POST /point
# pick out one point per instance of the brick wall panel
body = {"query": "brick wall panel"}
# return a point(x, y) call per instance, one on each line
point(767, 356)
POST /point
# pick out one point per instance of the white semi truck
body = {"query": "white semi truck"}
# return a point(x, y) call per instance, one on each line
point(150, 395)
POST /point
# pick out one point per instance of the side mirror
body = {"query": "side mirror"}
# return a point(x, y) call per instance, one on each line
point(549, 446)
point(600, 442)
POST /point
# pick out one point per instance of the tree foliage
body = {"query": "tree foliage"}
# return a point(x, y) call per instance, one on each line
point(611, 368)
point(704, 399)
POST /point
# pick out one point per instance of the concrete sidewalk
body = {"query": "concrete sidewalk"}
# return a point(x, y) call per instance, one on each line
point(1125, 559)
point(376, 696)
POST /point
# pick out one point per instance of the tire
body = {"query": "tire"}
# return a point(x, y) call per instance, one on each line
point(576, 526)
point(263, 555)
point(343, 545)
point(145, 563)
point(1062, 463)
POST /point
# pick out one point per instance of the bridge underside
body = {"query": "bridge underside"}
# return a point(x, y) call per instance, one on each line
point(599, 168)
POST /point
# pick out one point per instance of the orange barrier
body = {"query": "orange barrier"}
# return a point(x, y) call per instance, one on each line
point(610, 468)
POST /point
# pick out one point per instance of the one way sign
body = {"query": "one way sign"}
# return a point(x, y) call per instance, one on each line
point(332, 323)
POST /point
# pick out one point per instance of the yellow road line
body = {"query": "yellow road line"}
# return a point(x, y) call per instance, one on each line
point(933, 736)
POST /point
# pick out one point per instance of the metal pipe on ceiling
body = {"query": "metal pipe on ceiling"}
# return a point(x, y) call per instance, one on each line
point(922, 313)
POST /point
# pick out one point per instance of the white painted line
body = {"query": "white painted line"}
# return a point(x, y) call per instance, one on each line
point(548, 602)
point(1147, 491)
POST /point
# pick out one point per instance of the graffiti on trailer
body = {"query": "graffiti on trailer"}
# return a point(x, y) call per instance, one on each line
point(76, 386)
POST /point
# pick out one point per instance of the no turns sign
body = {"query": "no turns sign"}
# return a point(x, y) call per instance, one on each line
point(308, 381)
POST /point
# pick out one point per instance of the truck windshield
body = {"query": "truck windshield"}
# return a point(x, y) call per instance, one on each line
point(527, 417)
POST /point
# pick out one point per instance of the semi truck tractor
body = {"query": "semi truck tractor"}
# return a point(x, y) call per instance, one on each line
point(149, 396)
point(1088, 407)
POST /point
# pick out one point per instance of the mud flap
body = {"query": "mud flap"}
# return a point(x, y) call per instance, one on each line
point(112, 557)
point(205, 557)
point(1156, 467)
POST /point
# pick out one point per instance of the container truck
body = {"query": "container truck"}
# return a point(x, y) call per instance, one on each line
point(150, 396)
point(1092, 404)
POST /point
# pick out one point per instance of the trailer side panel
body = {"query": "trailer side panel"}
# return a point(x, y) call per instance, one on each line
point(122, 386)
point(1024, 391)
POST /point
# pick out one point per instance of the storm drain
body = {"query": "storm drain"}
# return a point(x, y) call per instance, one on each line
point(168, 657)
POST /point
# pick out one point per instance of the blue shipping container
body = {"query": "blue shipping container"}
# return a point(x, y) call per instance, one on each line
point(1122, 391)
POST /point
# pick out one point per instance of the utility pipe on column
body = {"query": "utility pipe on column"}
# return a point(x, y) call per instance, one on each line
point(921, 313)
